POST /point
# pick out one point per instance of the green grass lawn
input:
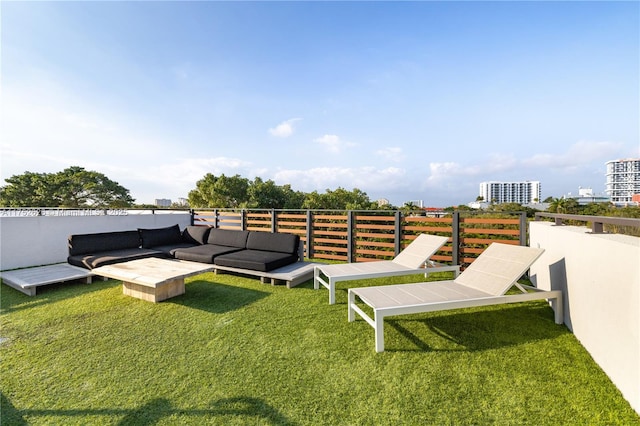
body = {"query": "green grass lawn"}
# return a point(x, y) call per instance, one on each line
point(235, 351)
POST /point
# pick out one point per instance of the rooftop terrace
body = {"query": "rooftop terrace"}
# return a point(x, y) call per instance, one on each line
point(234, 351)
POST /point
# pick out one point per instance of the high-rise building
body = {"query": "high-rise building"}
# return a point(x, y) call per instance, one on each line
point(623, 180)
point(511, 192)
point(163, 202)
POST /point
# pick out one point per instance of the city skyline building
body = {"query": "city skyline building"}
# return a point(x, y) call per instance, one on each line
point(526, 192)
point(623, 180)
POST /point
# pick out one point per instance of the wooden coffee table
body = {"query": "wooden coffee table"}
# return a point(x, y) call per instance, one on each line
point(152, 279)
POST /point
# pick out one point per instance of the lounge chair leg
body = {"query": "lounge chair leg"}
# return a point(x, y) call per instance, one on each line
point(350, 312)
point(316, 275)
point(332, 291)
point(558, 308)
point(379, 321)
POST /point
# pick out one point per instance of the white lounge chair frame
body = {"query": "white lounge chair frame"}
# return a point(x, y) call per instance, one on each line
point(483, 283)
point(414, 259)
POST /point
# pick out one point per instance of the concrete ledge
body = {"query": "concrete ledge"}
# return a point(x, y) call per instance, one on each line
point(26, 280)
point(599, 275)
point(291, 275)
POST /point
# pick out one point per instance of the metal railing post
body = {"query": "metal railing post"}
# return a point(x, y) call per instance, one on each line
point(309, 231)
point(523, 228)
point(455, 238)
point(274, 221)
point(398, 232)
point(350, 245)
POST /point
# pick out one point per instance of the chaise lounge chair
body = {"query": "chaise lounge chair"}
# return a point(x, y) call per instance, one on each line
point(413, 259)
point(485, 282)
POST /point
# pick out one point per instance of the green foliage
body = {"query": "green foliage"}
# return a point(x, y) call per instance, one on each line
point(239, 192)
point(571, 206)
point(73, 187)
point(512, 207)
point(268, 195)
point(339, 199)
point(220, 192)
point(564, 206)
point(233, 351)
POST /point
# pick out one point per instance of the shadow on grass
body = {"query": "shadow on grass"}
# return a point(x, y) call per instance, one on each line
point(254, 409)
point(479, 331)
point(12, 300)
point(215, 297)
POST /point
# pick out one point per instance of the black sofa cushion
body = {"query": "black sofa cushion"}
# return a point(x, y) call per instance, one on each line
point(170, 250)
point(227, 237)
point(256, 260)
point(93, 260)
point(101, 242)
point(195, 234)
point(268, 241)
point(160, 236)
point(204, 253)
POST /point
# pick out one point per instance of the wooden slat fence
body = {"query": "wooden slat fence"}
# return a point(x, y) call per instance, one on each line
point(361, 236)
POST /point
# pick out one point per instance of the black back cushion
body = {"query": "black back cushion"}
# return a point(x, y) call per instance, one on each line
point(195, 234)
point(268, 241)
point(104, 241)
point(227, 237)
point(160, 236)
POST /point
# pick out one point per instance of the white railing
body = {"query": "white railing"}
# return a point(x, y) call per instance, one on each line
point(42, 239)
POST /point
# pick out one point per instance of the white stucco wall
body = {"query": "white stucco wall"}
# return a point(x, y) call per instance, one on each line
point(600, 278)
point(42, 240)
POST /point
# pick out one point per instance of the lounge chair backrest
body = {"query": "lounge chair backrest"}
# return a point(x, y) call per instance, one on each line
point(420, 250)
point(498, 268)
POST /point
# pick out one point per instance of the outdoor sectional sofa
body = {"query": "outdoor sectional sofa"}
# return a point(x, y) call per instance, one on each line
point(228, 249)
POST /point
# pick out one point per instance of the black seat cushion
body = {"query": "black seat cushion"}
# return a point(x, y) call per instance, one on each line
point(160, 236)
point(256, 260)
point(104, 241)
point(93, 260)
point(278, 242)
point(170, 249)
point(204, 254)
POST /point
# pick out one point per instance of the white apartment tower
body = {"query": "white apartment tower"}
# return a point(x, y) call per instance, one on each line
point(623, 180)
point(511, 192)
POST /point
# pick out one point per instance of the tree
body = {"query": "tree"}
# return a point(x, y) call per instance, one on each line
point(77, 187)
point(294, 199)
point(73, 187)
point(28, 190)
point(339, 199)
point(513, 207)
point(266, 195)
point(411, 208)
point(220, 192)
point(564, 205)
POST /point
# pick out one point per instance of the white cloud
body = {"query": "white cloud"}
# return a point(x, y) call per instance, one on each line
point(367, 179)
point(333, 143)
point(284, 129)
point(393, 153)
point(502, 166)
point(578, 155)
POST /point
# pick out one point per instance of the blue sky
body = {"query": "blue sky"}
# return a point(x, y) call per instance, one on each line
point(404, 100)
